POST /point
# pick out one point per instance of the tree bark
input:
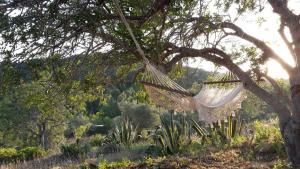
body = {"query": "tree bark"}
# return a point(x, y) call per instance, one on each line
point(42, 135)
point(292, 131)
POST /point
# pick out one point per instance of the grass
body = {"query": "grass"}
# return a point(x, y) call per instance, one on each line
point(50, 162)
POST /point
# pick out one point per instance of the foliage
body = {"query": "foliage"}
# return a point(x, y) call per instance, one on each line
point(201, 132)
point(238, 141)
point(281, 164)
point(268, 133)
point(74, 150)
point(97, 140)
point(9, 155)
point(194, 148)
point(81, 130)
point(173, 134)
point(124, 133)
point(36, 112)
point(138, 113)
point(30, 153)
point(101, 124)
point(106, 165)
point(253, 108)
point(228, 129)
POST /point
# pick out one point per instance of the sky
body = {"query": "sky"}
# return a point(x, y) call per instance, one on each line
point(268, 32)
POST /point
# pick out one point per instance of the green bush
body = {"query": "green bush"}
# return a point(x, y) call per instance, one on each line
point(138, 113)
point(268, 133)
point(9, 155)
point(96, 129)
point(238, 141)
point(118, 164)
point(97, 140)
point(74, 150)
point(84, 165)
point(194, 148)
point(30, 153)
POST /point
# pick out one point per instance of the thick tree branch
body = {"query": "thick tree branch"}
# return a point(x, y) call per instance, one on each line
point(280, 7)
point(288, 44)
point(267, 51)
point(238, 32)
point(219, 57)
point(205, 53)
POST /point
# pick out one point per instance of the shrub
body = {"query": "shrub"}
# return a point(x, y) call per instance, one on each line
point(9, 155)
point(268, 133)
point(84, 165)
point(238, 141)
point(194, 148)
point(95, 129)
point(30, 153)
point(81, 130)
point(74, 150)
point(119, 164)
point(138, 113)
point(97, 140)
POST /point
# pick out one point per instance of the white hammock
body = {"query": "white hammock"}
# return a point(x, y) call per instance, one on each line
point(211, 103)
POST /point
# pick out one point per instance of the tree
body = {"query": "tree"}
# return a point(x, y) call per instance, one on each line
point(168, 31)
point(37, 112)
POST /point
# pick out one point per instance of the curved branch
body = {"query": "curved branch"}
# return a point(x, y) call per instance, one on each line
point(267, 51)
point(238, 32)
point(187, 52)
point(219, 57)
point(288, 44)
point(280, 7)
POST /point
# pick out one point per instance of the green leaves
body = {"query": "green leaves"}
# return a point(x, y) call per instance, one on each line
point(124, 133)
point(174, 133)
point(228, 129)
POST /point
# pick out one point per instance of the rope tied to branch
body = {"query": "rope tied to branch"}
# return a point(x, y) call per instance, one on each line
point(138, 46)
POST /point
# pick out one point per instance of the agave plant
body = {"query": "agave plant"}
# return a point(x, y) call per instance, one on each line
point(201, 132)
point(124, 132)
point(173, 133)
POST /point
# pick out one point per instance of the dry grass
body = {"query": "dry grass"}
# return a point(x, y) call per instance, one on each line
point(53, 162)
point(224, 159)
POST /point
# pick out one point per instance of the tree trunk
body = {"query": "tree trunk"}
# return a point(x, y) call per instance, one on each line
point(42, 135)
point(291, 137)
point(291, 133)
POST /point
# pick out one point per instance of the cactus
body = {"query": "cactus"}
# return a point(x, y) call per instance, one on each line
point(230, 129)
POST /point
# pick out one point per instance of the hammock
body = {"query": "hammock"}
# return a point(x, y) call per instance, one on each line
point(211, 103)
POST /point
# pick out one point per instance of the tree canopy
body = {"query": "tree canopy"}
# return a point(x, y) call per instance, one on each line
point(169, 31)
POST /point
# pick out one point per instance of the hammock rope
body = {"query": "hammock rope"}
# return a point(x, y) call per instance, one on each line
point(211, 103)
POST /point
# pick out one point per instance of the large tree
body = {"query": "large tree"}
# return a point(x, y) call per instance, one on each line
point(169, 31)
